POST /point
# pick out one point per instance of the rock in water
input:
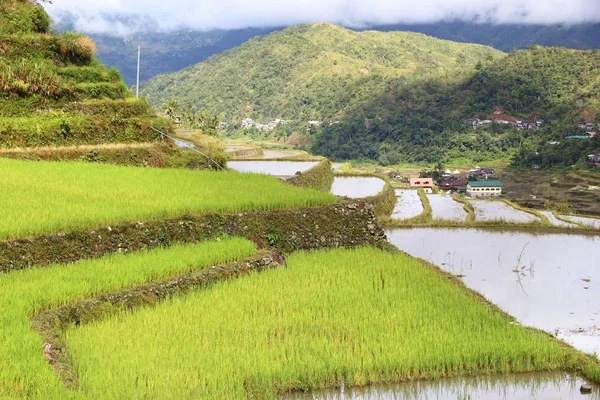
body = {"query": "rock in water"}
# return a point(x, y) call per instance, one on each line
point(585, 389)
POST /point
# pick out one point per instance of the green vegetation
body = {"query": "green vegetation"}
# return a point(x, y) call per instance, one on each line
point(425, 121)
point(309, 72)
point(354, 316)
point(65, 196)
point(25, 373)
point(58, 90)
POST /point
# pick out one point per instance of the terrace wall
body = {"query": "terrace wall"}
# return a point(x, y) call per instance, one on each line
point(338, 225)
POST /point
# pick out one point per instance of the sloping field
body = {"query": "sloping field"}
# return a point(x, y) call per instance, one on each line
point(355, 316)
point(45, 197)
point(25, 373)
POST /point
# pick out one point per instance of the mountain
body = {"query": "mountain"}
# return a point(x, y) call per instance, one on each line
point(310, 72)
point(53, 91)
point(164, 52)
point(425, 121)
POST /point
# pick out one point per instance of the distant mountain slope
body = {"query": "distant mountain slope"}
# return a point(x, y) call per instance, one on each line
point(310, 72)
point(165, 52)
point(426, 121)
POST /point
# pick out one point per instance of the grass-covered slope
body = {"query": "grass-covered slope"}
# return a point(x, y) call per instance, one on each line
point(60, 92)
point(44, 197)
point(341, 316)
point(25, 374)
point(425, 121)
point(310, 72)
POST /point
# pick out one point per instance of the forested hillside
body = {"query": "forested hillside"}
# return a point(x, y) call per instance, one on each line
point(53, 91)
point(425, 121)
point(164, 52)
point(311, 72)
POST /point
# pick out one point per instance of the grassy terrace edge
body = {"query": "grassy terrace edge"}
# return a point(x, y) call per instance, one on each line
point(549, 354)
point(65, 196)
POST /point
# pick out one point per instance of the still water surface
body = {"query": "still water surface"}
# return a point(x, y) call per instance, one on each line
point(277, 168)
point(444, 207)
point(356, 187)
point(543, 386)
point(408, 204)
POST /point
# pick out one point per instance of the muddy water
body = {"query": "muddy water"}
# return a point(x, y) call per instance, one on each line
point(356, 187)
point(408, 204)
point(486, 210)
point(593, 222)
point(444, 207)
point(500, 387)
point(555, 221)
point(277, 168)
point(551, 282)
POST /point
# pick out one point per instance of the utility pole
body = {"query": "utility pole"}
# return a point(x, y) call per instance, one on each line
point(137, 85)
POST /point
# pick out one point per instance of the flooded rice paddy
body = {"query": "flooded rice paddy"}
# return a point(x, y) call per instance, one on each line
point(551, 282)
point(408, 205)
point(592, 222)
point(498, 387)
point(444, 207)
point(555, 221)
point(486, 210)
point(357, 187)
point(276, 168)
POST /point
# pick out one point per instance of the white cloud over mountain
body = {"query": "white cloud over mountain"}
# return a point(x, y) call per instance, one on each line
point(99, 16)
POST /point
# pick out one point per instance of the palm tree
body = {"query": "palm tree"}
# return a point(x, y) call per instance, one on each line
point(171, 108)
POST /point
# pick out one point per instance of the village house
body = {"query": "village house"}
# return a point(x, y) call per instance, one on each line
point(479, 172)
point(455, 184)
point(588, 126)
point(484, 188)
point(425, 183)
point(593, 160)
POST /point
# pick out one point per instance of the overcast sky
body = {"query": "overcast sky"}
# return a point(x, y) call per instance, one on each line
point(210, 14)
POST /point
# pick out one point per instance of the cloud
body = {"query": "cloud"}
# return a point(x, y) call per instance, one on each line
point(132, 15)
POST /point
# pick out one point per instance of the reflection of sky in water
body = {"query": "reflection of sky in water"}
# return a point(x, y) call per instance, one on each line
point(277, 168)
point(548, 292)
point(356, 187)
point(408, 204)
point(494, 210)
point(502, 387)
point(444, 207)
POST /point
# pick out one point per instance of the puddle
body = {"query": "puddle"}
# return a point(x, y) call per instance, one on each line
point(498, 210)
point(408, 205)
point(551, 282)
point(497, 387)
point(593, 222)
point(357, 187)
point(444, 207)
point(277, 168)
point(555, 221)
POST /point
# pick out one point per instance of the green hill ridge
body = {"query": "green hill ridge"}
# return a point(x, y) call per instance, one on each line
point(310, 72)
point(53, 91)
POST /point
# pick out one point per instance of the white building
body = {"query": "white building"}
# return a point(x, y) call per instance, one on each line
point(484, 188)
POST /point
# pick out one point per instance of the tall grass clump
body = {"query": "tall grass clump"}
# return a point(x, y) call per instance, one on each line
point(341, 316)
point(45, 197)
point(25, 373)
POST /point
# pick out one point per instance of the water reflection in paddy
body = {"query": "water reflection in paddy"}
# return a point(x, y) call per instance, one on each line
point(356, 187)
point(486, 210)
point(277, 168)
point(408, 205)
point(551, 282)
point(444, 207)
point(592, 222)
point(498, 387)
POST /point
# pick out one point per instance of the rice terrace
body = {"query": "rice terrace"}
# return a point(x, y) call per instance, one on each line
point(164, 254)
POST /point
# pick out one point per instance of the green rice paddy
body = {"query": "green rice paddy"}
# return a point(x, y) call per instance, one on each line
point(24, 373)
point(355, 316)
point(46, 197)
